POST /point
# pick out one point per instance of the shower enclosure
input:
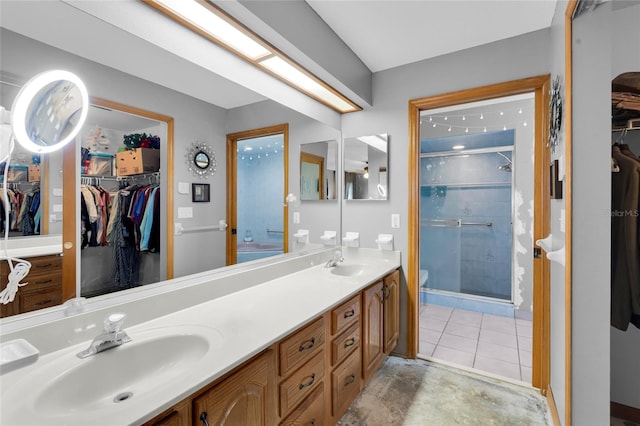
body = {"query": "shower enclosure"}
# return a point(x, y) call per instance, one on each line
point(466, 214)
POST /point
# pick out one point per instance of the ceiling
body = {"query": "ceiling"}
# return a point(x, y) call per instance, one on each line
point(389, 33)
point(383, 34)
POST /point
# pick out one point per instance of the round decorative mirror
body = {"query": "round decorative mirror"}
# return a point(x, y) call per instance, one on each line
point(201, 160)
point(49, 111)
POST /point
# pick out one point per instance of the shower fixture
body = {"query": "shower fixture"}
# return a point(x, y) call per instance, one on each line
point(505, 167)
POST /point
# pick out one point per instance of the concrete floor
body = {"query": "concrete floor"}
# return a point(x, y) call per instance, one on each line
point(421, 393)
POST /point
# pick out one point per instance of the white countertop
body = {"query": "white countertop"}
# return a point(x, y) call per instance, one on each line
point(242, 324)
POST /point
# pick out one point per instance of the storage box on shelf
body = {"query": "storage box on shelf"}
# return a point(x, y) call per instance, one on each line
point(34, 173)
point(100, 164)
point(137, 161)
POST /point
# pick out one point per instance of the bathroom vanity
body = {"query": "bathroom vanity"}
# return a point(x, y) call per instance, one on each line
point(294, 347)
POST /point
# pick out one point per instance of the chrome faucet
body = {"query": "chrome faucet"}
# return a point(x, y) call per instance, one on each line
point(337, 257)
point(112, 336)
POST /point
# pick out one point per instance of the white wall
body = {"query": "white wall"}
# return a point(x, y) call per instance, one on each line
point(625, 346)
point(510, 59)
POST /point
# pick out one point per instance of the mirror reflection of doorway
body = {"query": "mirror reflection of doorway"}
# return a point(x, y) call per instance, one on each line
point(257, 182)
point(311, 176)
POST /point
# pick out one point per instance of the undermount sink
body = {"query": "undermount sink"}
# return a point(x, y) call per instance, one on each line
point(144, 368)
point(347, 270)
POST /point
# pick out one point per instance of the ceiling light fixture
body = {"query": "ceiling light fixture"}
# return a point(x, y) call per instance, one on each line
point(205, 19)
point(457, 147)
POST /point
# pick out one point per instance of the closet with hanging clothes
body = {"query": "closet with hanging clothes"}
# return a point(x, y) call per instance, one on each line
point(625, 201)
point(119, 225)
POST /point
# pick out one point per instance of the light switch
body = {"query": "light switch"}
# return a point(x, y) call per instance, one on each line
point(183, 187)
point(296, 217)
point(185, 212)
point(395, 220)
point(57, 208)
point(57, 192)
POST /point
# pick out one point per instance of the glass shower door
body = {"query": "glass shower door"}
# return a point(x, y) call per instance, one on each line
point(440, 254)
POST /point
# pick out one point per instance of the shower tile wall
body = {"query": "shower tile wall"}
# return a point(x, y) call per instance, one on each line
point(260, 182)
point(484, 252)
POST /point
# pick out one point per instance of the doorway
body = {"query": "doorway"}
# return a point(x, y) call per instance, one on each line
point(257, 162)
point(497, 299)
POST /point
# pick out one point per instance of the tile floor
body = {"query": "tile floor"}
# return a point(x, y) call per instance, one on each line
point(491, 343)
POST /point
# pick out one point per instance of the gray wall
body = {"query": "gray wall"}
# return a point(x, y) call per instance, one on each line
point(625, 346)
point(510, 59)
point(557, 288)
point(591, 224)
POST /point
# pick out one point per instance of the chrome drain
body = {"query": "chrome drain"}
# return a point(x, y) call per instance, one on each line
point(123, 396)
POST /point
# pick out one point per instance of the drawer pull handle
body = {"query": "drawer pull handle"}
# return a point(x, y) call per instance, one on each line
point(45, 265)
point(350, 379)
point(44, 302)
point(203, 418)
point(309, 383)
point(307, 345)
point(350, 342)
point(349, 314)
point(44, 282)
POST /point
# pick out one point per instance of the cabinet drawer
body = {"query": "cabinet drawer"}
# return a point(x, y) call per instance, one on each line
point(301, 383)
point(30, 301)
point(45, 264)
point(345, 383)
point(310, 412)
point(45, 270)
point(345, 315)
point(344, 344)
point(300, 347)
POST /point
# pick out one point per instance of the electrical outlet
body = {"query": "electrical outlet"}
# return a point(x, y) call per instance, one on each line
point(296, 217)
point(395, 220)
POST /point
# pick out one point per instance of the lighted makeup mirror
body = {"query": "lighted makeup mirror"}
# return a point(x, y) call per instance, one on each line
point(48, 112)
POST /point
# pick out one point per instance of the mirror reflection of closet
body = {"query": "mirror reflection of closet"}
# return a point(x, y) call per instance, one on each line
point(122, 226)
point(318, 169)
point(29, 174)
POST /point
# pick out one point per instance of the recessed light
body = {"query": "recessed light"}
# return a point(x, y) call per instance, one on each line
point(458, 147)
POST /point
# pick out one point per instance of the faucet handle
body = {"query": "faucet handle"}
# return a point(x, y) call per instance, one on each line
point(338, 256)
point(113, 323)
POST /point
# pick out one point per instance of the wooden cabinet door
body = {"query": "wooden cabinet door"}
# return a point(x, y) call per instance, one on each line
point(245, 398)
point(372, 329)
point(391, 310)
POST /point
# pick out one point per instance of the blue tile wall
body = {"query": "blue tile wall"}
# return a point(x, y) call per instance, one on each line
point(468, 259)
point(260, 189)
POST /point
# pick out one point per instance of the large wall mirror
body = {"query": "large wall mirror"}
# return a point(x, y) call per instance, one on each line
point(318, 170)
point(366, 167)
point(25, 52)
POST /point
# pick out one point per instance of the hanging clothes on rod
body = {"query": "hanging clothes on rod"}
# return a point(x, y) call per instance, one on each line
point(134, 227)
point(625, 237)
point(24, 211)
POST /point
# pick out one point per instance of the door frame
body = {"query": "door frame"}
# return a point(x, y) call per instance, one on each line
point(70, 200)
point(232, 184)
point(539, 86)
